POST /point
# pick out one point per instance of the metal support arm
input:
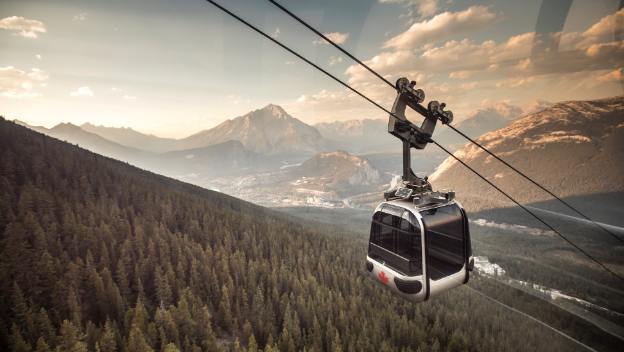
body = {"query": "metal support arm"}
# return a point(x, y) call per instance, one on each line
point(411, 135)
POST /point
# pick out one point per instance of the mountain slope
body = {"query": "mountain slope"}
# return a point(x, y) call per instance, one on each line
point(94, 142)
point(572, 148)
point(482, 121)
point(221, 159)
point(359, 136)
point(341, 168)
point(269, 130)
point(325, 180)
point(131, 138)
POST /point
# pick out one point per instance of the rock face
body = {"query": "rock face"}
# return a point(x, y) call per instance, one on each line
point(340, 168)
point(269, 130)
point(572, 148)
point(482, 121)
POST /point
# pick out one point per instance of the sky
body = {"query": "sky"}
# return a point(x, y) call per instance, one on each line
point(173, 68)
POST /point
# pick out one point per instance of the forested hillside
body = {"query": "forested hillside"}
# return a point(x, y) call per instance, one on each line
point(96, 255)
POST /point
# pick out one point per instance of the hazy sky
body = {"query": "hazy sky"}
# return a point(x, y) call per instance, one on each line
point(176, 67)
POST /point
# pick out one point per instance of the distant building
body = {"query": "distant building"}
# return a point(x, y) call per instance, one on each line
point(482, 265)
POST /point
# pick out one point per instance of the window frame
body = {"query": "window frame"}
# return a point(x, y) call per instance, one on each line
point(411, 265)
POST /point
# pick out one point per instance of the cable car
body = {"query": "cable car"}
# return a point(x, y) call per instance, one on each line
point(419, 242)
point(420, 250)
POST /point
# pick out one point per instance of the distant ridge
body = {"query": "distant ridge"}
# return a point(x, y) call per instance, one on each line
point(132, 138)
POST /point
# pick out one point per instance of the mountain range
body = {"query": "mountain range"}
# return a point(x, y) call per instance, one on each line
point(269, 130)
point(268, 146)
point(572, 148)
point(131, 138)
point(92, 141)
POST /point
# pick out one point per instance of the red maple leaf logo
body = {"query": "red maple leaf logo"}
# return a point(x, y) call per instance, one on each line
point(382, 276)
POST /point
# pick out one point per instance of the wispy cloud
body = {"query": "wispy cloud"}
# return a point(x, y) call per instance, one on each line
point(80, 17)
point(16, 83)
point(424, 8)
point(336, 37)
point(25, 27)
point(334, 60)
point(616, 75)
point(82, 92)
point(276, 33)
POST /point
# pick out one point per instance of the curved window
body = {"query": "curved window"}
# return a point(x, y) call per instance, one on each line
point(395, 239)
point(445, 240)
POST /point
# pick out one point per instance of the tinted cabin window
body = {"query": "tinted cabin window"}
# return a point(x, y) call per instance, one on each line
point(400, 239)
point(445, 240)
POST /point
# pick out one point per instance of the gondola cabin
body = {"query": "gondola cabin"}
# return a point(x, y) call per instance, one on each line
point(419, 250)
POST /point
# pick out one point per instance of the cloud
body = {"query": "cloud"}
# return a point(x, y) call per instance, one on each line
point(455, 55)
point(442, 26)
point(15, 83)
point(129, 97)
point(616, 75)
point(424, 8)
point(237, 99)
point(336, 37)
point(38, 57)
point(331, 105)
point(276, 33)
point(334, 60)
point(25, 27)
point(537, 105)
point(511, 59)
point(460, 74)
point(80, 17)
point(491, 70)
point(605, 28)
point(82, 92)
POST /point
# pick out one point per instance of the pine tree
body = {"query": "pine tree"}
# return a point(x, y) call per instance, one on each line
point(108, 341)
point(42, 345)
point(136, 341)
point(252, 346)
point(71, 338)
point(74, 307)
point(45, 328)
point(20, 308)
point(225, 311)
point(163, 290)
point(17, 342)
point(170, 347)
